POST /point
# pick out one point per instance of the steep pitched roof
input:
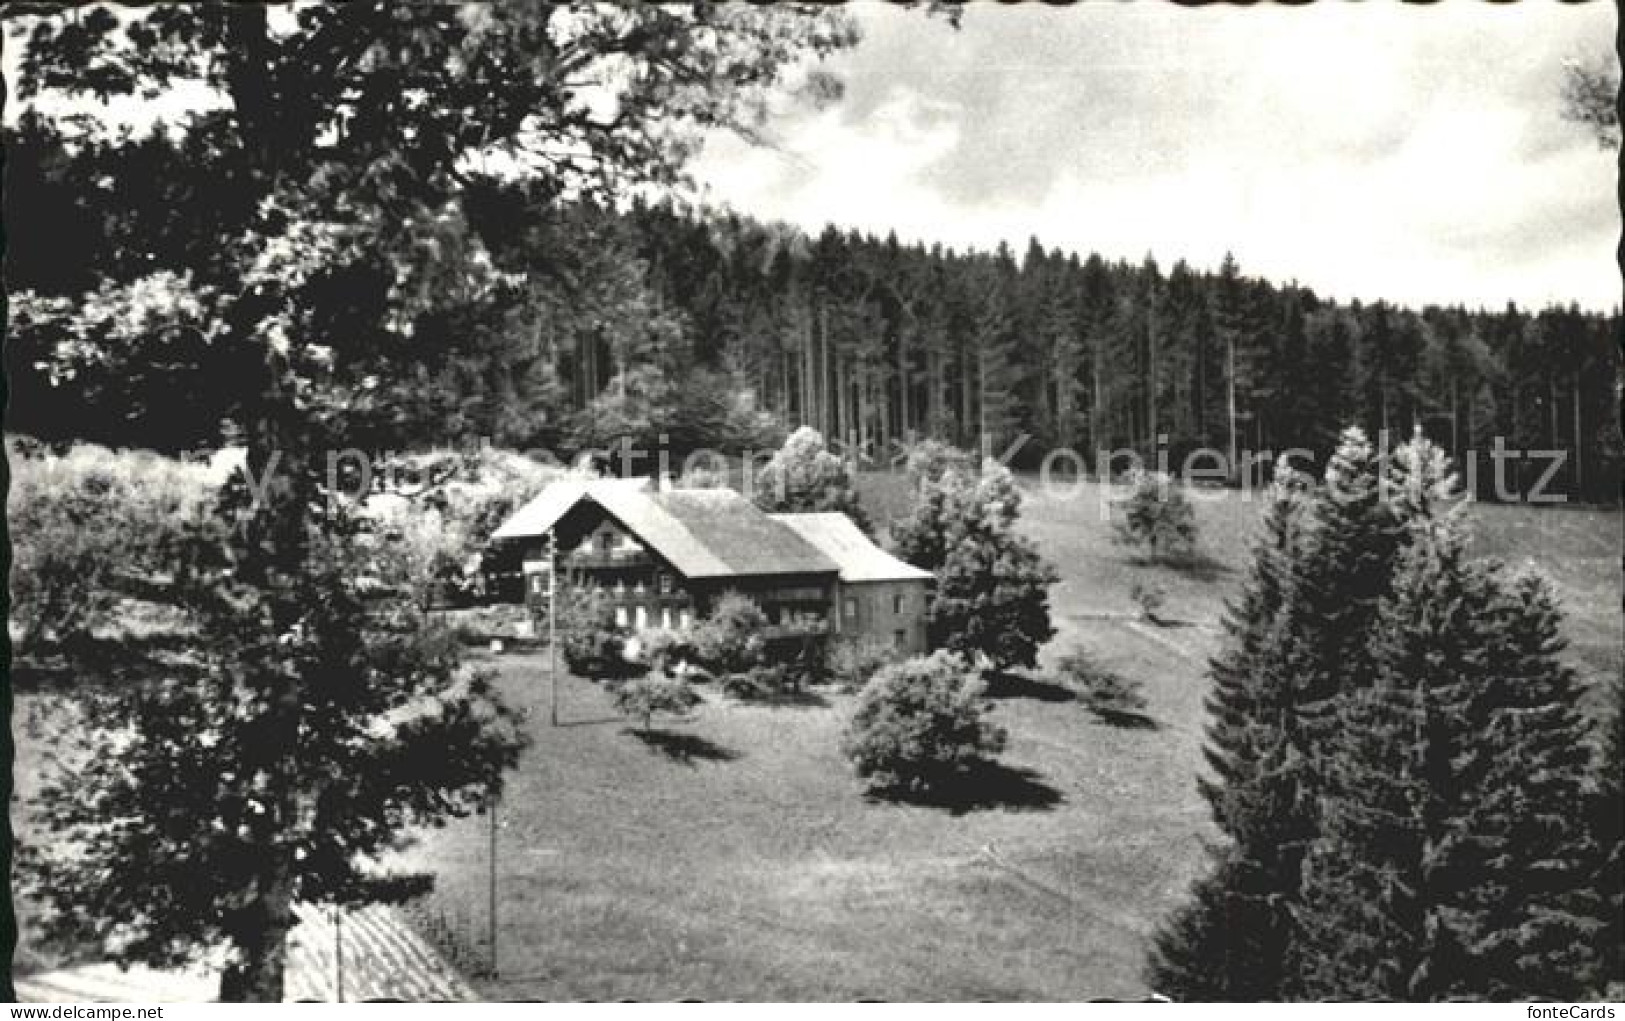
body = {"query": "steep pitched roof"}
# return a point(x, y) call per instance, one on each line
point(838, 538)
point(543, 512)
point(703, 533)
point(737, 533)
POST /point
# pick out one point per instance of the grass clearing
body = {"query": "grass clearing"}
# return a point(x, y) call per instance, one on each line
point(759, 871)
point(738, 859)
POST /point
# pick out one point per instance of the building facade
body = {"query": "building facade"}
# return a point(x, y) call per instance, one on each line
point(666, 555)
point(877, 596)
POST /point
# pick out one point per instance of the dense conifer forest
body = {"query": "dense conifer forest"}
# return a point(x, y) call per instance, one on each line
point(685, 328)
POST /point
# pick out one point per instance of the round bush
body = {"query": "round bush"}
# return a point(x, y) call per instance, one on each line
point(919, 726)
point(642, 697)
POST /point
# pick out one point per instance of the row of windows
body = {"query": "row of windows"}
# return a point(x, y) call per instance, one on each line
point(898, 602)
point(663, 583)
point(639, 617)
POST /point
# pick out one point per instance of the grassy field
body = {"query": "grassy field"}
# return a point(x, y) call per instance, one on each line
point(739, 859)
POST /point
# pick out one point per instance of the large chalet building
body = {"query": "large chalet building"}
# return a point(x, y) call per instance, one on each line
point(665, 555)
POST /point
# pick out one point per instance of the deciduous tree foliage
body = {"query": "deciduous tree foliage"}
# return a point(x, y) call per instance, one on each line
point(642, 698)
point(343, 144)
point(729, 639)
point(991, 600)
point(805, 476)
point(278, 762)
point(918, 726)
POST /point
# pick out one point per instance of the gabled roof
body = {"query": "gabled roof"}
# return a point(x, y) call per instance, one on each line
point(703, 533)
point(547, 507)
point(736, 532)
point(838, 538)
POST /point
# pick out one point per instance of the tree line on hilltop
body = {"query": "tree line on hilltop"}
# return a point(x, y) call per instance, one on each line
point(567, 324)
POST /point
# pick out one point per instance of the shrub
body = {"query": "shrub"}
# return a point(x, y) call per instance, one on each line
point(809, 664)
point(664, 649)
point(1105, 693)
point(929, 460)
point(759, 682)
point(730, 639)
point(422, 552)
point(919, 726)
point(1155, 514)
point(1149, 597)
point(640, 698)
point(591, 643)
point(849, 661)
point(89, 527)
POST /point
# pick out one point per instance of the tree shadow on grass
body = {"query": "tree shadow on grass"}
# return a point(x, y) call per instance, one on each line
point(983, 787)
point(803, 699)
point(1039, 689)
point(685, 748)
point(1126, 719)
point(1199, 566)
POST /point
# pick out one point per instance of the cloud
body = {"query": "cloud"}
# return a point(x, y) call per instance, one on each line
point(1416, 154)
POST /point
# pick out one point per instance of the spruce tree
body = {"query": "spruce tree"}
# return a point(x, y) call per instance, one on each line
point(1541, 920)
point(1298, 643)
point(1342, 573)
point(1228, 942)
point(1608, 837)
point(1373, 921)
point(1451, 860)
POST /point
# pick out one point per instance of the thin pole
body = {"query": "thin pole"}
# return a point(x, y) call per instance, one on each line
point(338, 952)
point(495, 800)
point(552, 631)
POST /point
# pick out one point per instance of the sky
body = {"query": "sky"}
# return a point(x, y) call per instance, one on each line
point(1367, 150)
point(1399, 152)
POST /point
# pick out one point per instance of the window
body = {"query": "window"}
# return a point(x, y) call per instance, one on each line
point(684, 618)
point(851, 608)
point(620, 616)
point(605, 542)
point(643, 616)
point(899, 638)
point(897, 604)
point(665, 617)
point(665, 583)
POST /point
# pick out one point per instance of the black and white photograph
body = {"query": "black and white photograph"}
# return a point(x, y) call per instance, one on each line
point(596, 501)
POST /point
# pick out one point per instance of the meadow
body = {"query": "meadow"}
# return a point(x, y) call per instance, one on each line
point(737, 858)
